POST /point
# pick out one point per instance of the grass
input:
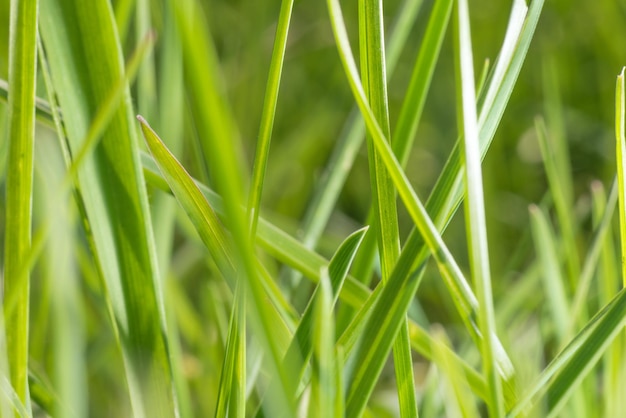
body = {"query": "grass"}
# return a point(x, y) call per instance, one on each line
point(169, 249)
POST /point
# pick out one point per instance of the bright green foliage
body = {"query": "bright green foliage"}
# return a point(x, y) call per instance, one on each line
point(203, 272)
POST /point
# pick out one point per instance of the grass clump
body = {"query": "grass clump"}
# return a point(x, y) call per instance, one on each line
point(189, 262)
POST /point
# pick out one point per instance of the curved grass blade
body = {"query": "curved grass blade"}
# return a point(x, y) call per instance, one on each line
point(84, 66)
point(19, 190)
point(269, 110)
point(446, 263)
point(475, 209)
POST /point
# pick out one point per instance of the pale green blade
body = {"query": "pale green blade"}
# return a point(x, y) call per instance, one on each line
point(19, 192)
point(85, 63)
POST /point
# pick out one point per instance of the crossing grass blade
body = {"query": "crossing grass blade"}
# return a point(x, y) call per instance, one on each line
point(84, 66)
point(290, 251)
point(446, 263)
point(19, 191)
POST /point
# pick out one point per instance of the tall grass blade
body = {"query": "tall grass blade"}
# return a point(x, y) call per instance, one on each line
point(620, 136)
point(475, 210)
point(269, 110)
point(19, 190)
point(373, 73)
point(84, 66)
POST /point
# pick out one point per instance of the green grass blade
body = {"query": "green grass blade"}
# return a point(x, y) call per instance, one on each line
point(423, 70)
point(231, 396)
point(290, 251)
point(323, 390)
point(446, 263)
point(19, 189)
point(620, 136)
point(475, 210)
point(383, 324)
point(84, 66)
point(338, 267)
point(212, 231)
point(575, 361)
point(269, 110)
point(373, 73)
point(553, 278)
point(608, 282)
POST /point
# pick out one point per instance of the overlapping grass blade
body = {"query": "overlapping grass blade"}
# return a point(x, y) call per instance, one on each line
point(475, 209)
point(293, 253)
point(269, 110)
point(450, 271)
point(84, 66)
point(19, 191)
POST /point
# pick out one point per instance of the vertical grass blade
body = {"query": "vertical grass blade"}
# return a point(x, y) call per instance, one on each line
point(475, 210)
point(19, 189)
point(620, 137)
point(373, 73)
point(269, 110)
point(85, 61)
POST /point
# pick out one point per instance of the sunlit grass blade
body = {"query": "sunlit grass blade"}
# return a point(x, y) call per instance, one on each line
point(269, 110)
point(552, 276)
point(212, 232)
point(475, 209)
point(19, 190)
point(84, 66)
point(323, 390)
point(450, 271)
point(620, 137)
